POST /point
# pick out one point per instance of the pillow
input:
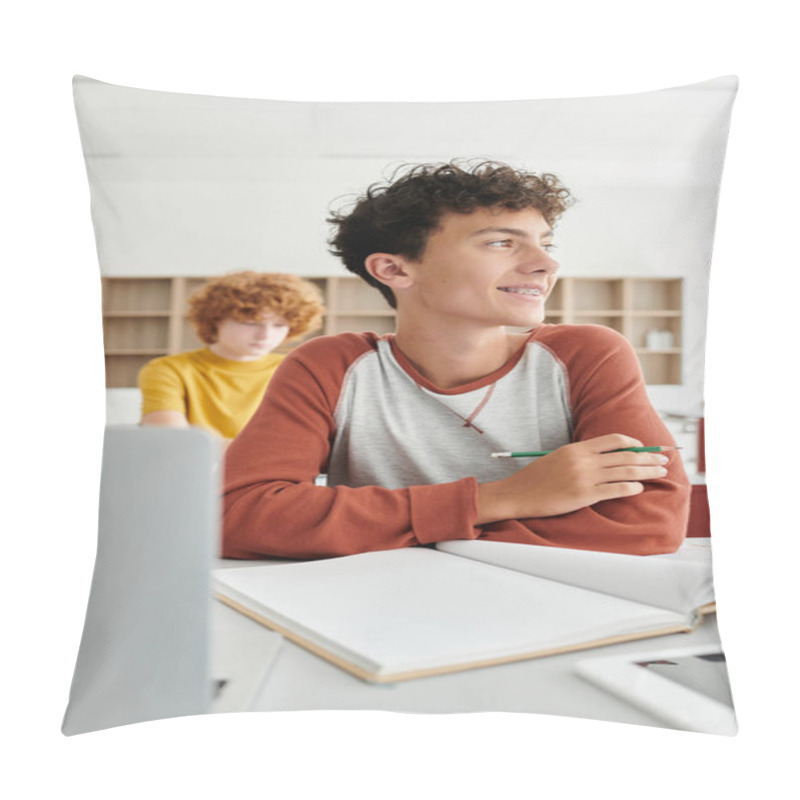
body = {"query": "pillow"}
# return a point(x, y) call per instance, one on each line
point(186, 187)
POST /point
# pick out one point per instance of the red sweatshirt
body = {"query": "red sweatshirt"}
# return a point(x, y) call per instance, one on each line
point(403, 458)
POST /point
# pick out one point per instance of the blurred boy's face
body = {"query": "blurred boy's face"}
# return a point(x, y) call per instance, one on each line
point(247, 341)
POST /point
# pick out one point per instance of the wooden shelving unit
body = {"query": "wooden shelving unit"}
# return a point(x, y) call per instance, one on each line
point(146, 317)
point(633, 306)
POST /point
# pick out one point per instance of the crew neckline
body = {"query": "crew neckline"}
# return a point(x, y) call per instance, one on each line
point(481, 383)
point(256, 365)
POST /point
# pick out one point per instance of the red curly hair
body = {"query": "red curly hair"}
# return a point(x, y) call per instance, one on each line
point(249, 296)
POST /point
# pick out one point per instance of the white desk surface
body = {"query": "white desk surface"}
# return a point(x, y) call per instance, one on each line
point(299, 680)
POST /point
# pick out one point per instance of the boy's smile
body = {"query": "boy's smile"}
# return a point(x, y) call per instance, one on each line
point(490, 266)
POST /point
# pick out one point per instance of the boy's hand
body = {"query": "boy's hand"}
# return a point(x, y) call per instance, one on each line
point(572, 477)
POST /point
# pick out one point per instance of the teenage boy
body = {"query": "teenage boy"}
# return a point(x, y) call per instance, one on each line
point(404, 425)
point(241, 317)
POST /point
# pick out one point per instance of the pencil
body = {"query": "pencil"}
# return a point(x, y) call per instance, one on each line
point(537, 453)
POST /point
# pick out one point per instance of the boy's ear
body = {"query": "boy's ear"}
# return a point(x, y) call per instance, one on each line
point(389, 270)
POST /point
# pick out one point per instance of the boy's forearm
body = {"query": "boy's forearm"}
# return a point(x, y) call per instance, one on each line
point(166, 419)
point(494, 503)
point(654, 522)
point(301, 520)
point(572, 477)
point(649, 523)
point(557, 500)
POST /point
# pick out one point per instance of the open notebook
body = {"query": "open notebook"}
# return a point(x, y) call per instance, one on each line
point(401, 614)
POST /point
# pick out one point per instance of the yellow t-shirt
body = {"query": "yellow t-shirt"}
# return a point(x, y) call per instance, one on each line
point(213, 392)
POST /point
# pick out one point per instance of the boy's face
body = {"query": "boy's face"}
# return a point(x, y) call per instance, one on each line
point(490, 267)
point(247, 341)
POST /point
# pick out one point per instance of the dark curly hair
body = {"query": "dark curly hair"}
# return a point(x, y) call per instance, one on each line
point(399, 216)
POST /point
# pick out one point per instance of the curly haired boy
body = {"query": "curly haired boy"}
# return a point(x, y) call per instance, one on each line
point(405, 425)
point(241, 317)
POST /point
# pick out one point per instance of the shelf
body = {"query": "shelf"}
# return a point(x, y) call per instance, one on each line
point(556, 299)
point(593, 293)
point(189, 340)
point(344, 323)
point(358, 314)
point(598, 312)
point(122, 369)
point(138, 352)
point(146, 317)
point(136, 333)
point(640, 327)
point(352, 296)
point(665, 350)
point(656, 294)
point(660, 368)
point(134, 314)
point(137, 294)
point(619, 312)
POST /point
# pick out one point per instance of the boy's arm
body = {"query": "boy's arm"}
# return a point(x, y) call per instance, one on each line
point(608, 396)
point(166, 419)
point(271, 505)
point(163, 395)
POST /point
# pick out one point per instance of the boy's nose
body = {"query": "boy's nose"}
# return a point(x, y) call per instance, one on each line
point(537, 260)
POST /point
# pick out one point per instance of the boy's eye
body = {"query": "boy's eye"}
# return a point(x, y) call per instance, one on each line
point(500, 243)
point(549, 247)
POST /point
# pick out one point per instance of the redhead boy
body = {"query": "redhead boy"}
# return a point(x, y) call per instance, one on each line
point(404, 425)
point(241, 317)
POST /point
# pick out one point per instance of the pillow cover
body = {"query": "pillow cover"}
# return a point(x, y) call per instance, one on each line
point(187, 187)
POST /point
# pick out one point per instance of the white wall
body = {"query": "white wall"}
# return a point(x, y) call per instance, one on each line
point(195, 185)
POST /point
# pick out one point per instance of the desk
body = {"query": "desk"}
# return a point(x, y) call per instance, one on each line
point(299, 680)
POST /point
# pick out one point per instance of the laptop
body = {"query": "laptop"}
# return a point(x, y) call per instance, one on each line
point(155, 645)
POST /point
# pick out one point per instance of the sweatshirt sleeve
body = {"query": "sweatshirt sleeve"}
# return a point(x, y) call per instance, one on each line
point(272, 505)
point(607, 395)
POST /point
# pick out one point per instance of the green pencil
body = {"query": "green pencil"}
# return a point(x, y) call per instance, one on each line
point(537, 453)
